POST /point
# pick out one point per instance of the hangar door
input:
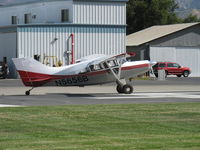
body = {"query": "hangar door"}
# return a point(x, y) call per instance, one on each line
point(8, 49)
point(185, 56)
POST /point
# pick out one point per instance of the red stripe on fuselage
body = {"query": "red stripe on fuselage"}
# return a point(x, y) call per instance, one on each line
point(38, 79)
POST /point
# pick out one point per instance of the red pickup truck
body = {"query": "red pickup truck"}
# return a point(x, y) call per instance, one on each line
point(171, 68)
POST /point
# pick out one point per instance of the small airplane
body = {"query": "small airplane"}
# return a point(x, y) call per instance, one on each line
point(90, 70)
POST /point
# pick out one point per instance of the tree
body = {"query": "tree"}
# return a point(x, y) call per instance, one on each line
point(191, 18)
point(145, 13)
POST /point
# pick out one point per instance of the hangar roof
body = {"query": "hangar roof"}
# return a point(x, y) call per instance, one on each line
point(155, 32)
point(41, 1)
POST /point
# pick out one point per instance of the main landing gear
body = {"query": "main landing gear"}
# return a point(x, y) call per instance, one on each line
point(121, 87)
point(126, 89)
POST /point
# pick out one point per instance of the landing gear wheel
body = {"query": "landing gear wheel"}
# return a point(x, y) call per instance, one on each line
point(127, 89)
point(119, 89)
point(27, 92)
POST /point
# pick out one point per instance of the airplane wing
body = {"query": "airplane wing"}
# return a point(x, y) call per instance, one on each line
point(98, 58)
point(93, 58)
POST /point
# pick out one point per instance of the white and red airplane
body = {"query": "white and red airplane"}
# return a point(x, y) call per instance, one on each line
point(91, 70)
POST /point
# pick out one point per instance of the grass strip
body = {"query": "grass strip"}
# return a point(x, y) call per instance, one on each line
point(101, 127)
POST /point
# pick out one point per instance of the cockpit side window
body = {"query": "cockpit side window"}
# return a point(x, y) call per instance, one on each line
point(113, 63)
point(105, 65)
point(95, 67)
point(91, 67)
point(101, 66)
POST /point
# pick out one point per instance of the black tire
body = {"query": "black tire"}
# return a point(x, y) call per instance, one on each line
point(27, 92)
point(179, 75)
point(119, 89)
point(166, 73)
point(156, 75)
point(186, 73)
point(127, 89)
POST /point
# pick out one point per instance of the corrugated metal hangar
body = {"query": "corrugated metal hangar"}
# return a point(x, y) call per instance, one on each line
point(47, 28)
point(176, 43)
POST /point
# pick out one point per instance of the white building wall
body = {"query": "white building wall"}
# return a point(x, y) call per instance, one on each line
point(45, 12)
point(8, 49)
point(79, 12)
point(99, 13)
point(88, 40)
point(185, 56)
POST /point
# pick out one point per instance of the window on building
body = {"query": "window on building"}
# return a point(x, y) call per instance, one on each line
point(65, 15)
point(14, 20)
point(27, 18)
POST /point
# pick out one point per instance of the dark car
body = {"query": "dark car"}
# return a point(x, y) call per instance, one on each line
point(171, 68)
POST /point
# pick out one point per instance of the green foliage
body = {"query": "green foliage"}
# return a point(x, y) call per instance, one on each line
point(101, 127)
point(145, 13)
point(191, 18)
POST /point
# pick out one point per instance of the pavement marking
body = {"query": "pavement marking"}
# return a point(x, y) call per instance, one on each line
point(152, 95)
point(4, 105)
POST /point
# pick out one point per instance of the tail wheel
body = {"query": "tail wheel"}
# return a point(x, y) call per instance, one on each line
point(119, 89)
point(127, 89)
point(186, 73)
point(27, 92)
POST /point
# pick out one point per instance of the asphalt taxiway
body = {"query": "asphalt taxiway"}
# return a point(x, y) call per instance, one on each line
point(145, 91)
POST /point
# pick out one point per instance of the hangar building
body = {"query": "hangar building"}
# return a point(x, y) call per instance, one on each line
point(177, 43)
point(45, 28)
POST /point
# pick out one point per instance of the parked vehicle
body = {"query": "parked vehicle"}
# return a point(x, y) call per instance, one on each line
point(3, 70)
point(171, 68)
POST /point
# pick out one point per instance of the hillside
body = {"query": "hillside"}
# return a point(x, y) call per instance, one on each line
point(189, 4)
point(187, 7)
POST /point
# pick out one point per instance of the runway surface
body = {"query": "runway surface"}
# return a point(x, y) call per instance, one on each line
point(149, 91)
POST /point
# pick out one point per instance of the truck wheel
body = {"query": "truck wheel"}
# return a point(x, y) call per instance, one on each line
point(186, 73)
point(156, 75)
point(166, 73)
point(4, 76)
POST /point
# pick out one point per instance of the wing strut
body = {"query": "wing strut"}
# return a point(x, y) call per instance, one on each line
point(122, 87)
point(116, 75)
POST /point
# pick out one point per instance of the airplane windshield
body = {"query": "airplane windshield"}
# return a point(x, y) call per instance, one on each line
point(106, 64)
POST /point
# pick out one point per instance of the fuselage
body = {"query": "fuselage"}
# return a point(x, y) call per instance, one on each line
point(62, 77)
point(91, 70)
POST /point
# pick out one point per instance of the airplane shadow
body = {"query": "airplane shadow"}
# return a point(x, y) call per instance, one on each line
point(63, 94)
point(82, 94)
